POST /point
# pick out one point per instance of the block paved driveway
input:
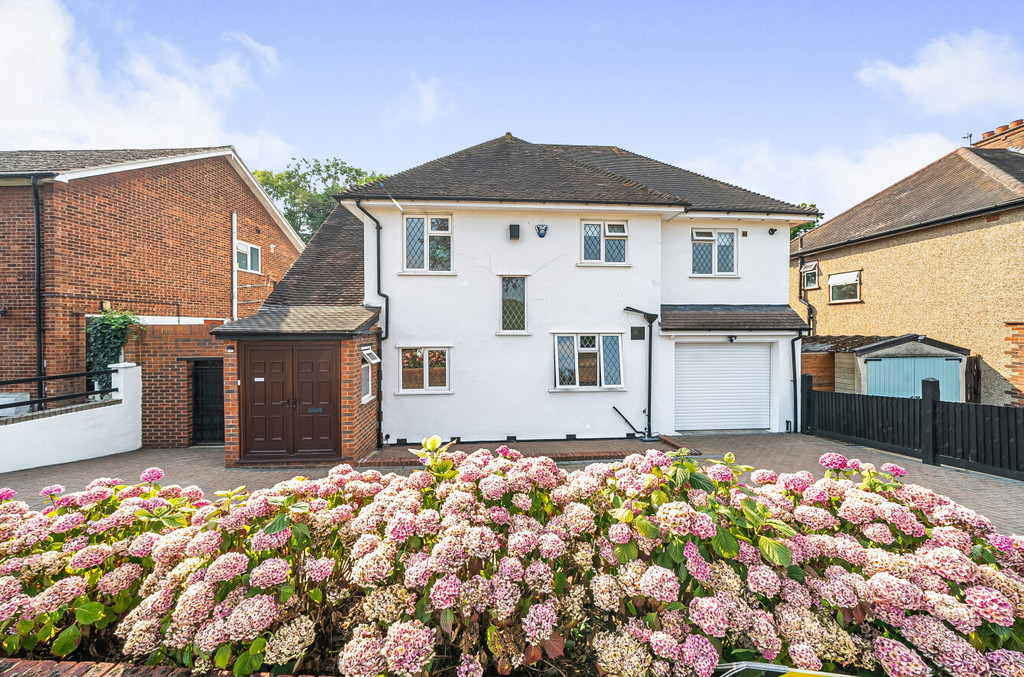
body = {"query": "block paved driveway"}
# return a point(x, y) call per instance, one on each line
point(999, 499)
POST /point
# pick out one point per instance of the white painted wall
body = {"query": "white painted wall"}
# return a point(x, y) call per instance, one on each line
point(78, 435)
point(503, 385)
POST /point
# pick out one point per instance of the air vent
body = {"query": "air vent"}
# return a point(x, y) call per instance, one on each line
point(513, 231)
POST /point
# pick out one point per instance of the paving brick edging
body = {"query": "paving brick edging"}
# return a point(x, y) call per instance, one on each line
point(14, 667)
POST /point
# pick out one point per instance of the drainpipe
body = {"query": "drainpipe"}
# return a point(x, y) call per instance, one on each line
point(234, 265)
point(380, 292)
point(650, 317)
point(796, 381)
point(40, 362)
point(812, 312)
point(386, 332)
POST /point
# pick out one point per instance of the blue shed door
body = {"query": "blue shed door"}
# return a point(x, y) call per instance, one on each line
point(901, 376)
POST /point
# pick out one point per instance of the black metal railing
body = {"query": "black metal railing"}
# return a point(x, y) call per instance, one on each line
point(40, 402)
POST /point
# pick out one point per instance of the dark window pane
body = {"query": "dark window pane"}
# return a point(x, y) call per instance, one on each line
point(412, 368)
point(513, 303)
point(366, 374)
point(610, 353)
point(588, 342)
point(438, 225)
point(845, 292)
point(440, 253)
point(702, 258)
point(565, 355)
point(242, 260)
point(438, 368)
point(726, 253)
point(254, 259)
point(591, 241)
point(588, 369)
point(615, 250)
point(414, 243)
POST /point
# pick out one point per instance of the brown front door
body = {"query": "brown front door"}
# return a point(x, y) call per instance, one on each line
point(290, 395)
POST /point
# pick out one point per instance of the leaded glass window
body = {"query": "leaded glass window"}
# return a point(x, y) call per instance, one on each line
point(513, 304)
point(604, 242)
point(591, 241)
point(588, 361)
point(713, 252)
point(428, 243)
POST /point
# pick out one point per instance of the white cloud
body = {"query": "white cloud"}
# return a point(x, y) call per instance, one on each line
point(266, 54)
point(424, 101)
point(56, 96)
point(956, 73)
point(833, 178)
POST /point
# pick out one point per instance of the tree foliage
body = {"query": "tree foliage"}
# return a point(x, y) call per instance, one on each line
point(798, 230)
point(108, 334)
point(306, 189)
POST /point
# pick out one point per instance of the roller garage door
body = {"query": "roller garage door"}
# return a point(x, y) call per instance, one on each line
point(723, 386)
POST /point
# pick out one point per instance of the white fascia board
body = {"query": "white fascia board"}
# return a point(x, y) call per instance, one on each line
point(233, 160)
point(512, 206)
point(740, 334)
point(748, 216)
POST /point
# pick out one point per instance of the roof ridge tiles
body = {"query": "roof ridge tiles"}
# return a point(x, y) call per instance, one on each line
point(1000, 175)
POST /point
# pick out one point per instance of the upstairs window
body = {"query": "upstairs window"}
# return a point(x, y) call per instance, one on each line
point(428, 243)
point(844, 287)
point(604, 241)
point(809, 275)
point(714, 252)
point(247, 257)
point(513, 304)
point(588, 361)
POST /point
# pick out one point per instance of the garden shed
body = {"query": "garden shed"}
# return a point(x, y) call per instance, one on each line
point(891, 366)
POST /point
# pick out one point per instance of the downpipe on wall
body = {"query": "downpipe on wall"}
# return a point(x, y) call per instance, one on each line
point(387, 325)
point(650, 318)
point(234, 265)
point(796, 381)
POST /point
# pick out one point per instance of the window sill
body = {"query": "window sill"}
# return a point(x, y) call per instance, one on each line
point(602, 264)
point(429, 273)
point(839, 303)
point(369, 398)
point(812, 288)
point(612, 389)
point(512, 333)
point(727, 276)
point(425, 392)
point(251, 272)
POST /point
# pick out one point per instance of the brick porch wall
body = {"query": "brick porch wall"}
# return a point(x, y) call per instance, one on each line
point(1015, 363)
point(163, 351)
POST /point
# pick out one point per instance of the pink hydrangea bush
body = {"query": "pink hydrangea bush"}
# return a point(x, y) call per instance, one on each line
point(493, 562)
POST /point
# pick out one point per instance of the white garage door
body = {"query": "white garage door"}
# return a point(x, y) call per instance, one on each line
point(723, 386)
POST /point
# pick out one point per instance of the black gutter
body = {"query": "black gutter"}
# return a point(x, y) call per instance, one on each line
point(385, 334)
point(40, 362)
point(651, 318)
point(998, 207)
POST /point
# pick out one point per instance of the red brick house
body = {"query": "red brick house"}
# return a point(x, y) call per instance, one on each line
point(185, 238)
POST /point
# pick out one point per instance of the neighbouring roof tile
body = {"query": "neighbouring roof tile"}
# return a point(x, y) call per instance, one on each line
point(319, 319)
point(57, 161)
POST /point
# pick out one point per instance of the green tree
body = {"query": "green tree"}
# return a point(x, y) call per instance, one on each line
point(306, 189)
point(800, 229)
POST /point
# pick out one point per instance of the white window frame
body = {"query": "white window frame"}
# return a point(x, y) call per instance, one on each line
point(838, 280)
point(427, 235)
point(599, 349)
point(805, 270)
point(370, 358)
point(713, 241)
point(427, 389)
point(605, 234)
point(246, 248)
point(501, 310)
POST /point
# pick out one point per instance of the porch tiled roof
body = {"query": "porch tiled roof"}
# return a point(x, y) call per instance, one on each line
point(697, 317)
point(292, 320)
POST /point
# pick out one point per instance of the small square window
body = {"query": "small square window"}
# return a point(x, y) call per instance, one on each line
point(604, 242)
point(424, 369)
point(713, 252)
point(844, 287)
point(247, 257)
point(809, 275)
point(428, 243)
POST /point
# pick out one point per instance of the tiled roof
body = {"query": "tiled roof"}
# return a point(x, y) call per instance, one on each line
point(508, 169)
point(330, 270)
point(965, 181)
point(57, 161)
point(278, 320)
point(702, 192)
point(696, 317)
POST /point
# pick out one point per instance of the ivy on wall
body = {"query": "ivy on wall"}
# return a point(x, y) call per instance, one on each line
point(108, 335)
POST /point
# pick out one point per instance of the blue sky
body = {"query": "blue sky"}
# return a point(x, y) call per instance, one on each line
point(807, 101)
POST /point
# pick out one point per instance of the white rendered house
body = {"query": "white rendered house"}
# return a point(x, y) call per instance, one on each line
point(508, 268)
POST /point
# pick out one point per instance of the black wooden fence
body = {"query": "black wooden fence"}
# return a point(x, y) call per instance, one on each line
point(979, 437)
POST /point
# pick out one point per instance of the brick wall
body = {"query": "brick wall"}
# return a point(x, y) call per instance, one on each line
point(1011, 137)
point(1015, 363)
point(164, 350)
point(154, 241)
point(359, 420)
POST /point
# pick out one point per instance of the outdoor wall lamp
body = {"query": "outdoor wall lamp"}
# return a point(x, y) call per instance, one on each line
point(542, 230)
point(732, 339)
point(772, 231)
